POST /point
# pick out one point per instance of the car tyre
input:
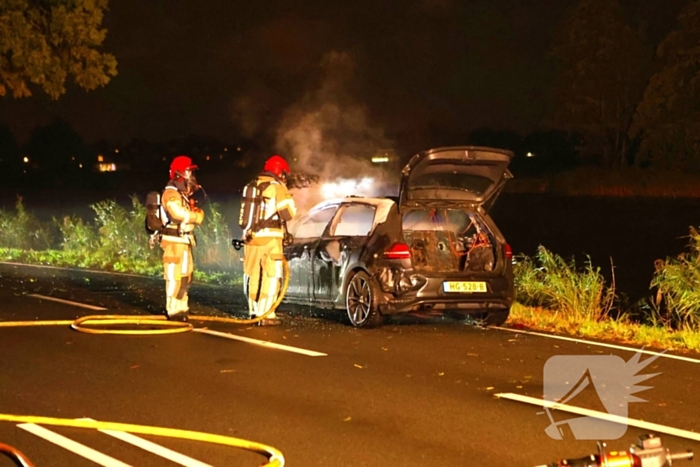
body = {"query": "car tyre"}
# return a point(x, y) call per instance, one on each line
point(492, 318)
point(361, 302)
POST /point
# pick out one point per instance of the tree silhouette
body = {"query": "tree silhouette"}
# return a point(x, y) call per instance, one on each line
point(57, 147)
point(9, 151)
point(43, 42)
point(602, 77)
point(668, 118)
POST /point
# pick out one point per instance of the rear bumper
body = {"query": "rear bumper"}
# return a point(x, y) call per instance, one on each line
point(443, 306)
point(431, 297)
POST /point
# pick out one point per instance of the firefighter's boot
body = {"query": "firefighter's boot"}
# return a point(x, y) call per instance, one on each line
point(175, 310)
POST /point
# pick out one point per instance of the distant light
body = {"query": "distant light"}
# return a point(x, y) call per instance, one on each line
point(100, 158)
point(221, 156)
point(26, 159)
point(164, 158)
point(208, 157)
point(107, 167)
point(238, 148)
point(380, 160)
point(530, 154)
point(225, 149)
point(80, 165)
point(117, 151)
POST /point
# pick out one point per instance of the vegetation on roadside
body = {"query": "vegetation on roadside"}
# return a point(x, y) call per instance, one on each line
point(558, 296)
point(116, 240)
point(552, 294)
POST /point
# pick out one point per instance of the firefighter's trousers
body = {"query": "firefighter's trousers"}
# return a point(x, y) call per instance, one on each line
point(178, 267)
point(262, 274)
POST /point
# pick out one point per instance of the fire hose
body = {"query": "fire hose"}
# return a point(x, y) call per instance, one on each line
point(169, 327)
point(274, 457)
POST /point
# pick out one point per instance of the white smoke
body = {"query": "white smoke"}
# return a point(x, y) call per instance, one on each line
point(327, 133)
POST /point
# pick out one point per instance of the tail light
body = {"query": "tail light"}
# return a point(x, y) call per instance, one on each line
point(509, 251)
point(398, 251)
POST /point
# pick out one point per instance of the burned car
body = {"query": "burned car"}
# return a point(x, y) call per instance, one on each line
point(433, 249)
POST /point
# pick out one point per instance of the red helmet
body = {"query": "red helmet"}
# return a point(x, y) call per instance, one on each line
point(276, 164)
point(179, 165)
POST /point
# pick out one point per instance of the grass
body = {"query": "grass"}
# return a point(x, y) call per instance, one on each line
point(558, 296)
point(620, 330)
point(552, 294)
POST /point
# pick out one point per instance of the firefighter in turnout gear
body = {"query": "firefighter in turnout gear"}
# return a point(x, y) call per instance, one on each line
point(178, 238)
point(264, 237)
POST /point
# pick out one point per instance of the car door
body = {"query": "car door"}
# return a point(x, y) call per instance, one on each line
point(306, 234)
point(346, 235)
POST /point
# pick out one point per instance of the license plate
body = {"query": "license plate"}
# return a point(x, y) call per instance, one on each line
point(464, 286)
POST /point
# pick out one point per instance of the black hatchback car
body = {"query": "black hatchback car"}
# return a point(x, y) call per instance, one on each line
point(432, 250)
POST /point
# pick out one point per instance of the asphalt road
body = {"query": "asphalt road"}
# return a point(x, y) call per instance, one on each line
point(411, 393)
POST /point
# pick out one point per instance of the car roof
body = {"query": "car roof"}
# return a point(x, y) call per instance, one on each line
point(355, 199)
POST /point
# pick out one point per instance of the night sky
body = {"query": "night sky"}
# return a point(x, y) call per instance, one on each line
point(225, 68)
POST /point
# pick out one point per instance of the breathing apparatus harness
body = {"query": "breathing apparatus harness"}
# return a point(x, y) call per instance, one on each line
point(186, 187)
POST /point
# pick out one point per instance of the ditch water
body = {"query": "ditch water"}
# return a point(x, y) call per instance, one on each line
point(630, 232)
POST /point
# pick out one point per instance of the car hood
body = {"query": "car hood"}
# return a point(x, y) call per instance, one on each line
point(463, 174)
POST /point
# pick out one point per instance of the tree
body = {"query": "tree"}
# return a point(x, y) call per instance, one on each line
point(57, 147)
point(9, 151)
point(602, 77)
point(43, 42)
point(668, 118)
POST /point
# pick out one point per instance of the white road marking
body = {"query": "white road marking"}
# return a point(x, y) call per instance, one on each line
point(67, 302)
point(288, 348)
point(601, 344)
point(602, 415)
point(73, 446)
point(153, 448)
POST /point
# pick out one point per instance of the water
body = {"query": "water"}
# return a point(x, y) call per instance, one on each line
point(630, 232)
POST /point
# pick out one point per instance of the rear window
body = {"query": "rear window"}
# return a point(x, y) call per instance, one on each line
point(455, 220)
point(355, 220)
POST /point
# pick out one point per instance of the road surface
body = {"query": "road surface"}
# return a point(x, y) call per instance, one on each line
point(411, 393)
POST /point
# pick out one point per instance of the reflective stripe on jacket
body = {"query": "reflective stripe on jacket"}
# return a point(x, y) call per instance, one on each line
point(182, 219)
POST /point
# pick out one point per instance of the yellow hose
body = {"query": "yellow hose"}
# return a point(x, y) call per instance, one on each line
point(170, 327)
point(274, 457)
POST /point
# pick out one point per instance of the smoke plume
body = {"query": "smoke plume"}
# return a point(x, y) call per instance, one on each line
point(327, 134)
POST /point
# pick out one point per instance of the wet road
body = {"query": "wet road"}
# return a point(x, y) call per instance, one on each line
point(412, 393)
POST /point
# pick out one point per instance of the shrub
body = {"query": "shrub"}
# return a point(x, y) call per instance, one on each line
point(548, 281)
point(677, 284)
point(22, 230)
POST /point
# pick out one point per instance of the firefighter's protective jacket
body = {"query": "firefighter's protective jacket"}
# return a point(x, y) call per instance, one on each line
point(277, 206)
point(182, 218)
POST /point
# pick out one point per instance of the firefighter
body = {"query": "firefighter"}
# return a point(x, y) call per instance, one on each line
point(263, 253)
point(178, 237)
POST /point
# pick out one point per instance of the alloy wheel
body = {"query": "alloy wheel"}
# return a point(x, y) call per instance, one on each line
point(359, 299)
